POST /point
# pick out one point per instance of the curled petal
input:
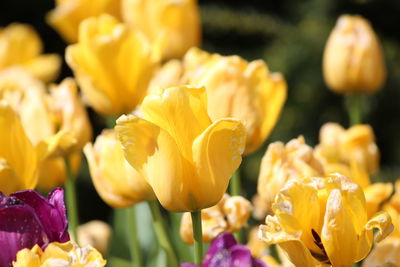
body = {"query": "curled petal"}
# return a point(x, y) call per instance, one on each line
point(383, 222)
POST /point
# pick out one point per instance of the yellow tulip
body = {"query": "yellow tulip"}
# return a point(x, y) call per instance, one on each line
point(113, 65)
point(353, 60)
point(68, 14)
point(20, 45)
point(56, 123)
point(319, 221)
point(352, 152)
point(118, 184)
point(230, 214)
point(18, 161)
point(375, 195)
point(235, 88)
point(281, 163)
point(57, 254)
point(187, 159)
point(176, 24)
point(96, 234)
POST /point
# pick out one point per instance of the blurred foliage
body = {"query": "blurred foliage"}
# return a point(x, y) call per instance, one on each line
point(290, 36)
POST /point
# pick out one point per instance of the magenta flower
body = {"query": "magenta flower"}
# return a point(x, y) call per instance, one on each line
point(224, 251)
point(27, 219)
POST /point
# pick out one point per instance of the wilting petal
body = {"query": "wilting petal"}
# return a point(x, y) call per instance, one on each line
point(217, 154)
point(51, 212)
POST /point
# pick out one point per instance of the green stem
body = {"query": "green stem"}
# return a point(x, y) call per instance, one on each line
point(161, 233)
point(198, 236)
point(354, 107)
point(72, 207)
point(235, 184)
point(134, 246)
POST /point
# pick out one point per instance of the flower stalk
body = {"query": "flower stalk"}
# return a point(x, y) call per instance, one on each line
point(355, 108)
point(198, 236)
point(235, 184)
point(72, 206)
point(161, 233)
point(134, 246)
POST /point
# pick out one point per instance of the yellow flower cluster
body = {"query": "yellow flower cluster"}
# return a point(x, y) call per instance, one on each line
point(57, 254)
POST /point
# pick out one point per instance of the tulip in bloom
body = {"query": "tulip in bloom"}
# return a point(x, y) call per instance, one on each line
point(225, 251)
point(68, 14)
point(96, 234)
point(247, 91)
point(281, 163)
point(21, 46)
point(28, 219)
point(116, 181)
point(112, 63)
point(321, 221)
point(56, 123)
point(59, 254)
point(176, 24)
point(230, 214)
point(18, 159)
point(185, 157)
point(353, 60)
point(352, 152)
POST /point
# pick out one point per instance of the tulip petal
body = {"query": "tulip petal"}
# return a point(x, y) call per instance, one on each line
point(294, 249)
point(19, 228)
point(17, 150)
point(51, 212)
point(187, 104)
point(44, 67)
point(383, 222)
point(140, 140)
point(272, 90)
point(339, 234)
point(216, 155)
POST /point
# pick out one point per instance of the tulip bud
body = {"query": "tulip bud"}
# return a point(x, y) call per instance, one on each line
point(118, 184)
point(95, 233)
point(110, 85)
point(353, 60)
point(175, 24)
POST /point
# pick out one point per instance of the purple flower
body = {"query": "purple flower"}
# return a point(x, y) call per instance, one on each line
point(224, 251)
point(27, 219)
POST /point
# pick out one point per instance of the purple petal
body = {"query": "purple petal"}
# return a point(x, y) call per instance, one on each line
point(240, 256)
point(258, 263)
point(219, 246)
point(51, 215)
point(19, 228)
